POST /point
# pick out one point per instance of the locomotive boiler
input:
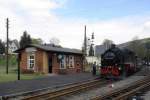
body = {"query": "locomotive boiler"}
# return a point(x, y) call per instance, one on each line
point(117, 63)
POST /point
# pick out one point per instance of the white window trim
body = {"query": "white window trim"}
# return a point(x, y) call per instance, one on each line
point(72, 61)
point(64, 60)
point(28, 61)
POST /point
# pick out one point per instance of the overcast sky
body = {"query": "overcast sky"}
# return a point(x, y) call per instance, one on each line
point(118, 20)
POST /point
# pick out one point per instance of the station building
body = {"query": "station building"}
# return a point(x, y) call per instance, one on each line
point(50, 59)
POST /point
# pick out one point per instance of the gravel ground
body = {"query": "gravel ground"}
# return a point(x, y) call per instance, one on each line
point(146, 96)
point(92, 93)
point(51, 81)
point(145, 71)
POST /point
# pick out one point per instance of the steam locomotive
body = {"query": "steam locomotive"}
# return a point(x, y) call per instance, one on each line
point(117, 63)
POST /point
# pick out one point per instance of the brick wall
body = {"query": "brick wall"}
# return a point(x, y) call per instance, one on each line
point(45, 62)
point(76, 69)
point(41, 63)
point(55, 64)
point(77, 65)
point(23, 62)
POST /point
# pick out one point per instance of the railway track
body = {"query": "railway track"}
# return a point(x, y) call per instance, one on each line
point(66, 90)
point(125, 92)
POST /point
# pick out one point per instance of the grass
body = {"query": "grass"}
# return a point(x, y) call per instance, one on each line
point(12, 72)
point(12, 75)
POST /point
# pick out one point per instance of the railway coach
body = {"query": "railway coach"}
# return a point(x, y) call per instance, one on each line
point(117, 63)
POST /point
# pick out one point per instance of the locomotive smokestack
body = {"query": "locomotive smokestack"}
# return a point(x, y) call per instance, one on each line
point(113, 45)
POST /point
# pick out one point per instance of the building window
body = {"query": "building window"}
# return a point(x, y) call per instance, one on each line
point(31, 61)
point(63, 62)
point(71, 61)
point(67, 61)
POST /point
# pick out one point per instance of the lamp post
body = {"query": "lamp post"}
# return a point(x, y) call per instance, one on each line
point(18, 60)
point(93, 43)
point(7, 30)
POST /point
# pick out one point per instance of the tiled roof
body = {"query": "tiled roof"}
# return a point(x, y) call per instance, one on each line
point(53, 49)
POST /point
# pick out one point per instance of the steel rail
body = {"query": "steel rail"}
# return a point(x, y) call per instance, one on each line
point(115, 93)
point(132, 92)
point(66, 90)
point(74, 90)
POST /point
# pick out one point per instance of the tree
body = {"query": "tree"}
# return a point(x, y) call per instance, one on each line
point(91, 51)
point(2, 47)
point(55, 41)
point(25, 39)
point(147, 45)
point(147, 54)
point(107, 43)
point(134, 44)
point(138, 47)
point(37, 41)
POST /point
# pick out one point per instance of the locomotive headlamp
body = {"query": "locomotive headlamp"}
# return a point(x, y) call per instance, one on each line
point(119, 68)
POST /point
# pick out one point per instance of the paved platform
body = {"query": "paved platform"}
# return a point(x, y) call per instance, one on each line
point(41, 83)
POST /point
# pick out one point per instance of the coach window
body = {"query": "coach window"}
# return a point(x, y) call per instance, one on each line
point(31, 61)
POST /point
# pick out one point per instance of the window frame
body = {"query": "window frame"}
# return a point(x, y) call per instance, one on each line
point(71, 60)
point(29, 61)
point(64, 62)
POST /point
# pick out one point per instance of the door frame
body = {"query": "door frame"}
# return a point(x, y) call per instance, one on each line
point(50, 63)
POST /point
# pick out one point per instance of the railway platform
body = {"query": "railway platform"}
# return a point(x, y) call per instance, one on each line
point(49, 81)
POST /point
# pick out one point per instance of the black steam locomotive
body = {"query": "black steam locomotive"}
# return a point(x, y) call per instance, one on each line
point(117, 63)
